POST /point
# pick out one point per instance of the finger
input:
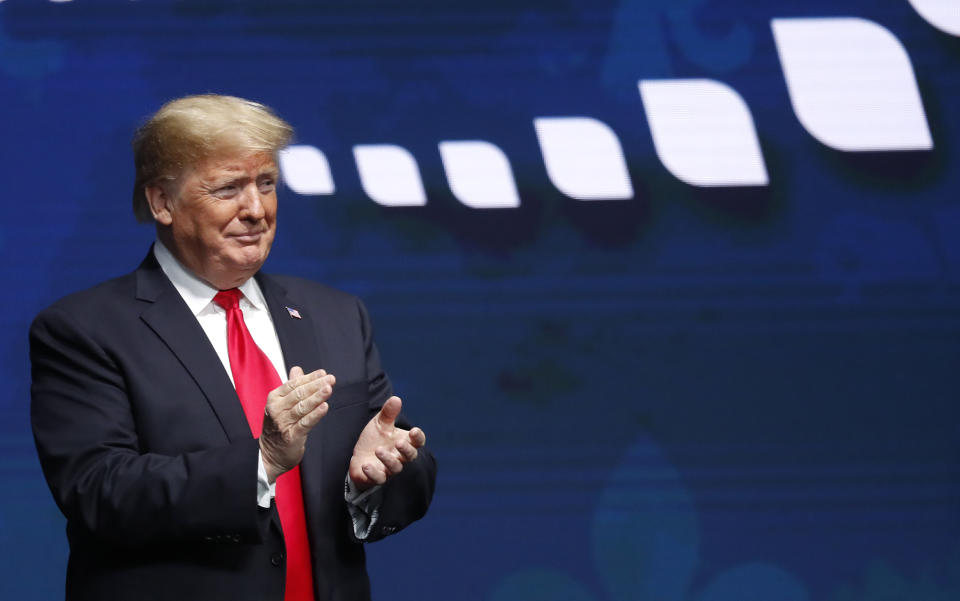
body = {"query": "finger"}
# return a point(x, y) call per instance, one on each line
point(312, 392)
point(374, 473)
point(417, 437)
point(389, 412)
point(296, 377)
point(300, 409)
point(407, 451)
point(314, 376)
point(301, 387)
point(312, 418)
point(390, 460)
point(284, 389)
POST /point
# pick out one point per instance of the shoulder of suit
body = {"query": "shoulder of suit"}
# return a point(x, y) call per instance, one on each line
point(109, 306)
point(308, 290)
point(103, 296)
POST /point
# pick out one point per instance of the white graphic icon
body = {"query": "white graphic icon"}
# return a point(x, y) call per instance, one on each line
point(389, 175)
point(479, 174)
point(851, 84)
point(703, 132)
point(849, 80)
point(306, 170)
point(583, 157)
point(942, 14)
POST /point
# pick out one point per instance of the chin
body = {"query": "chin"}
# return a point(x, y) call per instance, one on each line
point(248, 262)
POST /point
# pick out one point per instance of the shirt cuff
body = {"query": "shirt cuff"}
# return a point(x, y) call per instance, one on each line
point(364, 507)
point(265, 490)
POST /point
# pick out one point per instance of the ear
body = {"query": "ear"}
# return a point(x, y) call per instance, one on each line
point(161, 203)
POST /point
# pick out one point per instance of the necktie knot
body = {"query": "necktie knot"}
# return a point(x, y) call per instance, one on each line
point(228, 299)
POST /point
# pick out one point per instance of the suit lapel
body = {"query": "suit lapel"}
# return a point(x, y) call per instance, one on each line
point(170, 318)
point(296, 334)
point(300, 346)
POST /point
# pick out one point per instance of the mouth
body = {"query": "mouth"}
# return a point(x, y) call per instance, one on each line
point(248, 238)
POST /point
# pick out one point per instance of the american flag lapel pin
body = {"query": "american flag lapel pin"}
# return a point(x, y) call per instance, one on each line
point(293, 313)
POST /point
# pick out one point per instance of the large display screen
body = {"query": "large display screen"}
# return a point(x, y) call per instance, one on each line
point(673, 286)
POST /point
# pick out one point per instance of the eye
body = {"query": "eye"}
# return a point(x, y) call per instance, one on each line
point(228, 191)
point(267, 185)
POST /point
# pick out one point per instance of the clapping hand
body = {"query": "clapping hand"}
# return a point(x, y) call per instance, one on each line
point(383, 448)
point(293, 409)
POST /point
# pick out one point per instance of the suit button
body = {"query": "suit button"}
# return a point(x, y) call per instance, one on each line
point(276, 559)
point(208, 539)
point(235, 538)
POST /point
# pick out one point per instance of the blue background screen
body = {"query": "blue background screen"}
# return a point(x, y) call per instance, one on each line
point(691, 393)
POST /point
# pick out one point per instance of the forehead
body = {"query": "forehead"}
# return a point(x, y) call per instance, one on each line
point(252, 164)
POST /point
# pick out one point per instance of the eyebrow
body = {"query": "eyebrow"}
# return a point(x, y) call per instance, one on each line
point(230, 174)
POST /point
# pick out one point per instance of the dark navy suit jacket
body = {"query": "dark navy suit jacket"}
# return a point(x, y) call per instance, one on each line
point(148, 454)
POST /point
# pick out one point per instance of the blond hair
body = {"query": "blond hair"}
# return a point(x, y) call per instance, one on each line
point(188, 130)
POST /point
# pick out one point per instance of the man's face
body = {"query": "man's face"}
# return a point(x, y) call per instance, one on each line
point(222, 216)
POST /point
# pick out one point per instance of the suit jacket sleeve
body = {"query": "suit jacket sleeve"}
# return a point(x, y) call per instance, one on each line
point(103, 481)
point(407, 495)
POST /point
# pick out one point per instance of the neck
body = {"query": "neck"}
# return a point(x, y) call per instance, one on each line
point(220, 281)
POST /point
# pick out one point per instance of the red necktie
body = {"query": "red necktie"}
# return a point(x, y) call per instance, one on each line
point(254, 377)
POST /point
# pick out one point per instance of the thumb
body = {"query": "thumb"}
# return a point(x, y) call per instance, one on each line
point(389, 412)
point(295, 372)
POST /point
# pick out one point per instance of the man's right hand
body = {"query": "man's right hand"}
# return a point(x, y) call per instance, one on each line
point(293, 409)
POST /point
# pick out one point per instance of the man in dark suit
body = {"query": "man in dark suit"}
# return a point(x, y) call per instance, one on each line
point(209, 431)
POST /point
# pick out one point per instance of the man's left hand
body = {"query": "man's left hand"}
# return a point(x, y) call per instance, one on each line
point(383, 448)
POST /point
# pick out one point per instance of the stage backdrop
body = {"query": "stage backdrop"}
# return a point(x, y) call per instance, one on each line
point(672, 285)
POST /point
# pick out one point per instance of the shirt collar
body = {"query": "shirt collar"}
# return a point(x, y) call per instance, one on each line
point(195, 292)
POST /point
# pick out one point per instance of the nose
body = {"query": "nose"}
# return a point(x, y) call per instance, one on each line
point(251, 208)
